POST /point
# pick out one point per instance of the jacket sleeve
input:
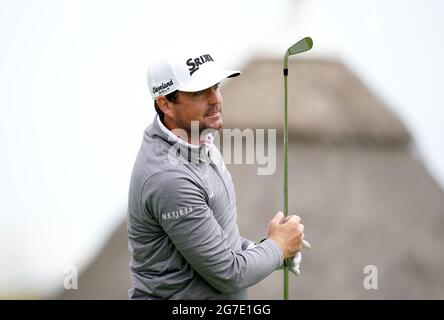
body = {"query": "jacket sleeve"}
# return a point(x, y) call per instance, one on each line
point(246, 243)
point(180, 207)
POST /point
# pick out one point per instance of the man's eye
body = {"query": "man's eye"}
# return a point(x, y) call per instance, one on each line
point(198, 93)
point(202, 92)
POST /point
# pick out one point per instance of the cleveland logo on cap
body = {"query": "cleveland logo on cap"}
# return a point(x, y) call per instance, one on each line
point(164, 86)
point(196, 62)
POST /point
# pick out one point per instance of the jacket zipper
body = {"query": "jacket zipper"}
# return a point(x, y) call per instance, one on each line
point(220, 176)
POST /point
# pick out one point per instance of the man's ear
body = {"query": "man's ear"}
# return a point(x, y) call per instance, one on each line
point(164, 105)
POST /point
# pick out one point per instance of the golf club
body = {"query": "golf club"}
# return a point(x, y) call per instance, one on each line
point(302, 45)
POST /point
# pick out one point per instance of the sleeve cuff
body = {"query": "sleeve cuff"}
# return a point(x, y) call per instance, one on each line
point(276, 249)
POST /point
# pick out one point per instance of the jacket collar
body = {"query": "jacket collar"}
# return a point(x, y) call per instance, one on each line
point(189, 152)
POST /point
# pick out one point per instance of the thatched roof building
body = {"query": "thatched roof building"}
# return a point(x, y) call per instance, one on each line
point(364, 197)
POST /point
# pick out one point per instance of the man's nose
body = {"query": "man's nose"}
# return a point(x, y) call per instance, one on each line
point(215, 96)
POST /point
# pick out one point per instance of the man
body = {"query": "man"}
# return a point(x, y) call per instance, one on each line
point(183, 237)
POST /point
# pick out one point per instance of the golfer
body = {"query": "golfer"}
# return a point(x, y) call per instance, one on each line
point(184, 241)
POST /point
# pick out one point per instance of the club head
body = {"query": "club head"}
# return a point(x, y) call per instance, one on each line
point(301, 46)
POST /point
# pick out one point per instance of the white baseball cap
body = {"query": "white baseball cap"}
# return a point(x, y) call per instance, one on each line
point(189, 73)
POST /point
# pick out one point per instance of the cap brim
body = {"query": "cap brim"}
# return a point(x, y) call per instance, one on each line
point(209, 78)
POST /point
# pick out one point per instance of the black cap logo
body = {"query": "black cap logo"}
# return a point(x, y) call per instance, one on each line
point(194, 63)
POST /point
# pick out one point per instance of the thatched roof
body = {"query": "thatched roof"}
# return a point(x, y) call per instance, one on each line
point(361, 204)
point(365, 199)
point(327, 104)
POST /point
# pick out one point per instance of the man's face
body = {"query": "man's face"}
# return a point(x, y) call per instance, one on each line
point(204, 106)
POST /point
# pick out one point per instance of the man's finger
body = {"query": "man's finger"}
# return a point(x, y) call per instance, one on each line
point(278, 218)
point(293, 218)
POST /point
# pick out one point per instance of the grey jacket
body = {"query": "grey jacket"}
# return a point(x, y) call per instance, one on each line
point(184, 241)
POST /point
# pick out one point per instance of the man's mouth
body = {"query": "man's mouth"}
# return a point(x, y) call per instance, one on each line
point(214, 113)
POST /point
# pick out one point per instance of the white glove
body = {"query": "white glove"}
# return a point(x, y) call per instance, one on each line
point(293, 263)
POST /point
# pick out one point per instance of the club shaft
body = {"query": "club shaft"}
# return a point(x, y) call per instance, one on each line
point(285, 176)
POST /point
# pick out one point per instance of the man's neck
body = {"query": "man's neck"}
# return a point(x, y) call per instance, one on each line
point(184, 135)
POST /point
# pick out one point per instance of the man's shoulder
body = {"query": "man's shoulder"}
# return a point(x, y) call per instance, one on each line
point(155, 154)
point(169, 175)
point(158, 171)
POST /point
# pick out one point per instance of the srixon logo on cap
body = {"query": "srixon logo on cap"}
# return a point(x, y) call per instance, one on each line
point(194, 63)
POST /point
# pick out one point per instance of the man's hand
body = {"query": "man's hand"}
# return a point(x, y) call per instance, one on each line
point(293, 263)
point(288, 233)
